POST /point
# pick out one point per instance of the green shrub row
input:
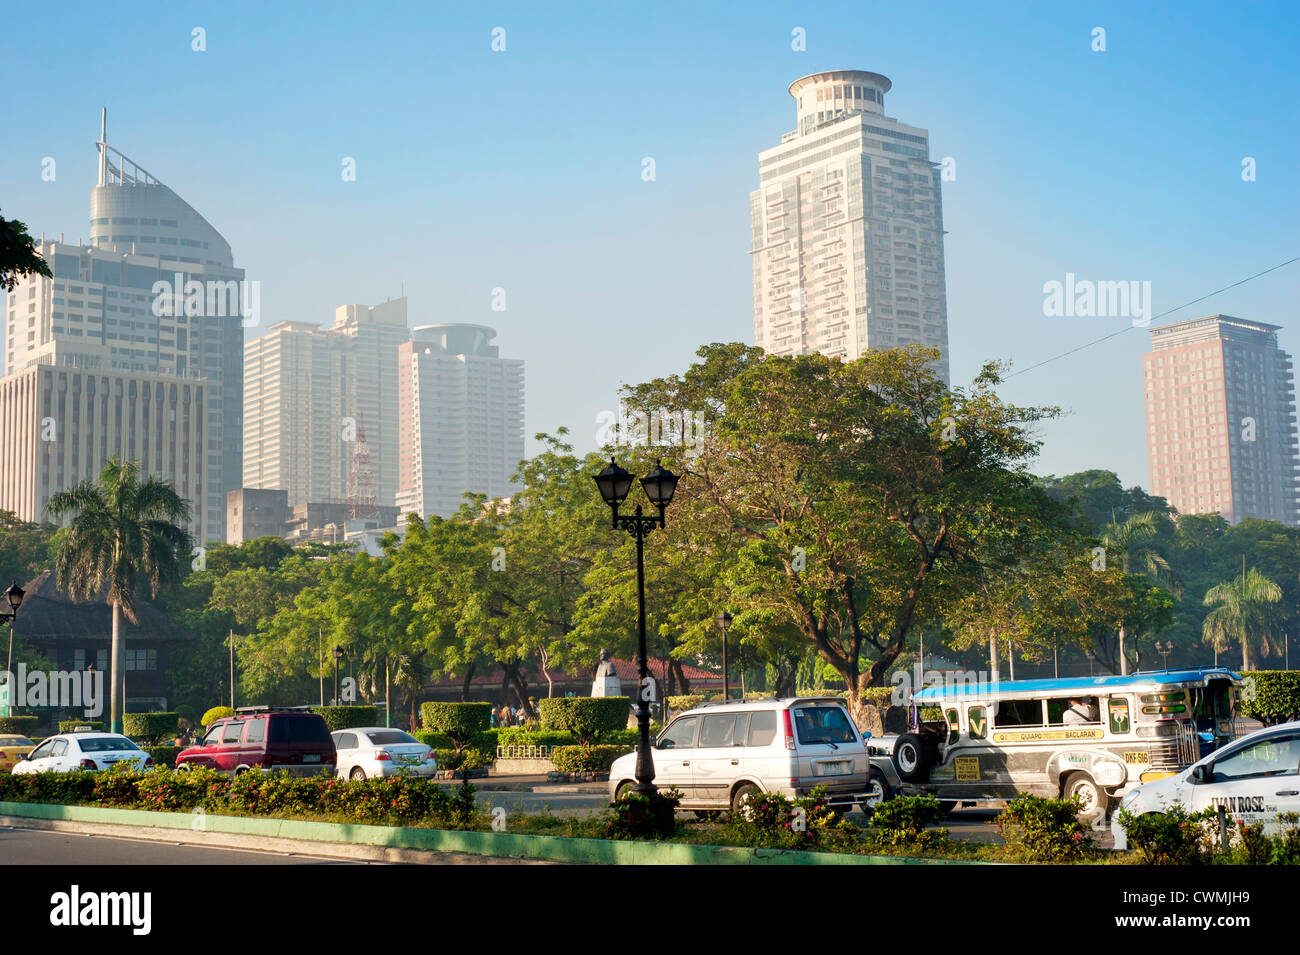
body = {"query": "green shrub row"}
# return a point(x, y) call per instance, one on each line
point(485, 741)
point(518, 736)
point(164, 756)
point(467, 758)
point(347, 717)
point(586, 759)
point(71, 726)
point(19, 725)
point(396, 800)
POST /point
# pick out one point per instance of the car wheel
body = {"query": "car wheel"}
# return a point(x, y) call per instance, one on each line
point(878, 790)
point(1091, 795)
point(623, 789)
point(911, 759)
point(184, 768)
point(743, 793)
point(357, 774)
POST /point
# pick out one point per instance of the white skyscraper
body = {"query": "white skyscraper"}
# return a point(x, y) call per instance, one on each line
point(847, 227)
point(311, 391)
point(462, 418)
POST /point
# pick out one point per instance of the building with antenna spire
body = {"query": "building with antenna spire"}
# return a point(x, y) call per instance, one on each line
point(106, 371)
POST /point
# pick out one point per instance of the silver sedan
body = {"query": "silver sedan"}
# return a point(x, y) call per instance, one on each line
point(370, 752)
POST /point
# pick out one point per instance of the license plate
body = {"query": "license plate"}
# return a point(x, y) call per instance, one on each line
point(411, 760)
point(311, 757)
point(833, 769)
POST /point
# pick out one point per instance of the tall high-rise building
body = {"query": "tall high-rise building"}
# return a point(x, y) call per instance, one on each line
point(462, 418)
point(310, 391)
point(118, 309)
point(847, 227)
point(1221, 424)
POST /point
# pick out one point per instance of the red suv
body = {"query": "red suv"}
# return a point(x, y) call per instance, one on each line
point(265, 738)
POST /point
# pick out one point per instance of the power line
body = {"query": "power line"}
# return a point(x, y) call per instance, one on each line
point(1170, 311)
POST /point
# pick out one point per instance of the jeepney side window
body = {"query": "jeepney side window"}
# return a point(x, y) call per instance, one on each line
point(1019, 713)
point(1119, 718)
point(977, 717)
point(954, 725)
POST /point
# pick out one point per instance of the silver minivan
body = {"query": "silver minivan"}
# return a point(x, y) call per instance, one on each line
point(718, 754)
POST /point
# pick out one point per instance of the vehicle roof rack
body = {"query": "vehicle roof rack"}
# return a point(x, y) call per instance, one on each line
point(270, 709)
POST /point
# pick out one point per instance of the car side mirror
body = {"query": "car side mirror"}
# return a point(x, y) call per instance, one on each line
point(1203, 773)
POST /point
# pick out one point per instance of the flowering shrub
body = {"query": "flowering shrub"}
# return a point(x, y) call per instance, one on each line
point(637, 816)
point(770, 819)
point(903, 821)
point(1045, 830)
point(1173, 837)
point(116, 786)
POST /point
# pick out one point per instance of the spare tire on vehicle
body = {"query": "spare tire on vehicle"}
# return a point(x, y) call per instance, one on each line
point(912, 758)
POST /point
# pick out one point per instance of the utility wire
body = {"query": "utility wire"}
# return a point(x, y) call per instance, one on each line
point(1170, 311)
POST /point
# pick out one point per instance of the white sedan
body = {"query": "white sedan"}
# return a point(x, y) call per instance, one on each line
point(1256, 779)
point(69, 752)
point(367, 752)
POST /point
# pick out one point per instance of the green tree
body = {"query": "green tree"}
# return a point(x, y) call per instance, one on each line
point(1128, 544)
point(1243, 612)
point(122, 532)
point(18, 255)
point(859, 498)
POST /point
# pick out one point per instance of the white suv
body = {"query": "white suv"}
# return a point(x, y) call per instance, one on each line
point(719, 754)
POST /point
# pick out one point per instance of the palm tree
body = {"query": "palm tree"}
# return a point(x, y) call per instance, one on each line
point(1130, 541)
point(122, 529)
point(1243, 613)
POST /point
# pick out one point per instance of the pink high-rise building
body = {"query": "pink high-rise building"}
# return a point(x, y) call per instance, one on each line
point(1221, 426)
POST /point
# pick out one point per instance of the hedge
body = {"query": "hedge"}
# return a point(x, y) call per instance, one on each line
point(163, 755)
point(150, 727)
point(485, 742)
point(687, 702)
point(468, 758)
point(517, 736)
point(71, 726)
point(18, 725)
point(586, 717)
point(396, 800)
point(347, 717)
point(216, 713)
point(1273, 697)
point(586, 759)
point(459, 721)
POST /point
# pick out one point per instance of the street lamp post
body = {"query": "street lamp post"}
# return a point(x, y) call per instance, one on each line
point(659, 486)
point(14, 597)
point(338, 658)
point(724, 621)
point(1164, 649)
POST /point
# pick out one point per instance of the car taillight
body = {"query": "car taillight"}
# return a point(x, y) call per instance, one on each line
point(383, 755)
point(2, 754)
point(88, 764)
point(789, 730)
point(428, 757)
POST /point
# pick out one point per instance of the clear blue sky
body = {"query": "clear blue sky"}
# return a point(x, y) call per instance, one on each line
point(522, 169)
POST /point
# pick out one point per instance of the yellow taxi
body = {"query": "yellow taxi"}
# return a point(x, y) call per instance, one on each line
point(12, 751)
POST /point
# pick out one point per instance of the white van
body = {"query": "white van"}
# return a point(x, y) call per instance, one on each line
point(719, 754)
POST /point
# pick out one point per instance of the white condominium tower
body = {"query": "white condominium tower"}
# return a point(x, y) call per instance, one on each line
point(847, 227)
point(462, 419)
point(312, 392)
